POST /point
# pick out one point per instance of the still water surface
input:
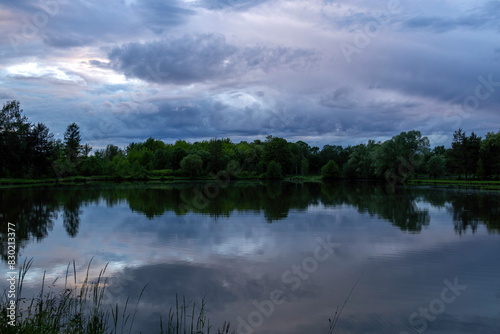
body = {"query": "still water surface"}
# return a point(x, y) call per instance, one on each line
point(275, 257)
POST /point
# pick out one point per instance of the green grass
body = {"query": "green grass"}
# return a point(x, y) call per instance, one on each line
point(10, 182)
point(485, 185)
point(72, 179)
point(304, 178)
point(79, 308)
point(183, 319)
point(5, 183)
point(76, 308)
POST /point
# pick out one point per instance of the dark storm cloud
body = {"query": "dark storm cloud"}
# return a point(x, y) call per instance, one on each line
point(445, 84)
point(440, 24)
point(126, 121)
point(159, 15)
point(335, 114)
point(446, 74)
point(487, 16)
point(65, 41)
point(202, 57)
point(206, 117)
point(69, 24)
point(81, 23)
point(251, 68)
point(113, 19)
point(481, 16)
point(339, 98)
point(231, 4)
point(183, 60)
point(354, 120)
point(99, 64)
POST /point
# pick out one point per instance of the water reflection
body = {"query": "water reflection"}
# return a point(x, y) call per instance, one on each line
point(236, 247)
point(34, 209)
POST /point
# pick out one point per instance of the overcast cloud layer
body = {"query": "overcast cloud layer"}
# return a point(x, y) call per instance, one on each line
point(322, 71)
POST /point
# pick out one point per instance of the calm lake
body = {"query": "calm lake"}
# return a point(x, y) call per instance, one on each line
point(273, 257)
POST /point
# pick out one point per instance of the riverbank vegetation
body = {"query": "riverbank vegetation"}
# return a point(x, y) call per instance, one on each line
point(81, 307)
point(31, 152)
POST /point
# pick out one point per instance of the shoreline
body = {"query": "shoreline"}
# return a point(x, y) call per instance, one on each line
point(78, 180)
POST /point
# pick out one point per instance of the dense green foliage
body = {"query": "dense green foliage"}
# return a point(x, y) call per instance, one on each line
point(191, 165)
point(330, 171)
point(273, 171)
point(31, 151)
point(436, 166)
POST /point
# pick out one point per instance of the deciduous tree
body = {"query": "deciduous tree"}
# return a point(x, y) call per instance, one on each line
point(191, 165)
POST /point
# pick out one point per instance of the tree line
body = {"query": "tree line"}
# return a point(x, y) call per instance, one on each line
point(30, 150)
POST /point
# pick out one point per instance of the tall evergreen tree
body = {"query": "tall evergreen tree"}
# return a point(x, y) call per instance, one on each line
point(277, 149)
point(490, 154)
point(459, 152)
point(42, 145)
point(72, 146)
point(14, 130)
point(473, 145)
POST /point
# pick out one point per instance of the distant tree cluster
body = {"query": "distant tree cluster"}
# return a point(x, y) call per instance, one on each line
point(30, 151)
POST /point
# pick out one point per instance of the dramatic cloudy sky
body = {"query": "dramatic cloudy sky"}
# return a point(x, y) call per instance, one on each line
point(322, 71)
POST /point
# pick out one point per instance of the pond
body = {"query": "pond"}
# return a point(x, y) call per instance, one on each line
point(273, 257)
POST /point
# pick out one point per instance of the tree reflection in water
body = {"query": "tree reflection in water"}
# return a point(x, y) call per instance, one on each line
point(34, 209)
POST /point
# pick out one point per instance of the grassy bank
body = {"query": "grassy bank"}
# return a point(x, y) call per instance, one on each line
point(449, 183)
point(79, 308)
point(163, 179)
point(88, 179)
point(303, 178)
point(485, 185)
